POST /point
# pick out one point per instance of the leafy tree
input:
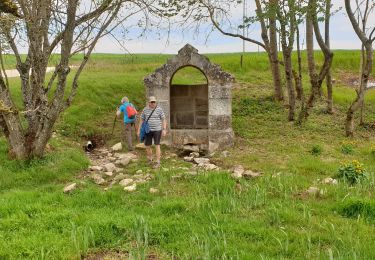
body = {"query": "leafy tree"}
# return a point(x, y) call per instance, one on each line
point(51, 26)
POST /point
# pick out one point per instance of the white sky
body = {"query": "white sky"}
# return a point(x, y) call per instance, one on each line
point(342, 37)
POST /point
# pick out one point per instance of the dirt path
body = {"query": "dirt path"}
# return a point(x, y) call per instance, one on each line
point(14, 73)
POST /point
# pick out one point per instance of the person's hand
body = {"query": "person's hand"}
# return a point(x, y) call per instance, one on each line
point(164, 132)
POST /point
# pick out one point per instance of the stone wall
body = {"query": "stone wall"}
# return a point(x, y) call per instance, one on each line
point(189, 106)
point(186, 111)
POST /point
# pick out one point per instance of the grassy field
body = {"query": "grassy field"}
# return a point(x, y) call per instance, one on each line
point(203, 216)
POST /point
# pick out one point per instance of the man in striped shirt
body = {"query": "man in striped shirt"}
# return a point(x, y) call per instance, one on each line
point(158, 126)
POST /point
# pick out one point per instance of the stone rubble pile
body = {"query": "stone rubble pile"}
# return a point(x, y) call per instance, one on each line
point(200, 162)
point(239, 172)
point(108, 169)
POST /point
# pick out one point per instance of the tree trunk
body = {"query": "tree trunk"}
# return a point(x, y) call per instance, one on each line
point(273, 53)
point(289, 83)
point(311, 61)
point(366, 72)
point(298, 78)
point(327, 42)
point(329, 93)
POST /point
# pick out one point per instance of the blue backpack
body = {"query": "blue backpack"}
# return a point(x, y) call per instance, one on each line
point(145, 128)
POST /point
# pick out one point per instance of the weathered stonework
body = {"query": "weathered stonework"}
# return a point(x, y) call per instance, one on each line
point(198, 115)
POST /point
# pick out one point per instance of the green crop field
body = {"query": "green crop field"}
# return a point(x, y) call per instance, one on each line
point(204, 216)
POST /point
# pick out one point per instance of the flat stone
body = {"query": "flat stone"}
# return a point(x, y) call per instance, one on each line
point(312, 190)
point(131, 187)
point(117, 147)
point(124, 161)
point(109, 167)
point(70, 188)
point(188, 159)
point(95, 168)
point(126, 182)
point(209, 167)
point(153, 190)
point(131, 156)
point(191, 148)
point(98, 179)
point(330, 181)
point(238, 171)
point(194, 154)
point(108, 173)
point(250, 174)
point(201, 160)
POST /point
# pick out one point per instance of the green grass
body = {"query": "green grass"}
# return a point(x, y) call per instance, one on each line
point(202, 216)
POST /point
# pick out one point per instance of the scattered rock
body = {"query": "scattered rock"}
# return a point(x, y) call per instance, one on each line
point(126, 182)
point(190, 148)
point(124, 161)
point(194, 154)
point(112, 159)
point(70, 188)
point(109, 167)
point(209, 166)
point(108, 173)
point(153, 190)
point(238, 170)
point(96, 168)
point(313, 190)
point(131, 187)
point(330, 181)
point(225, 153)
point(117, 147)
point(188, 159)
point(98, 179)
point(250, 174)
point(201, 160)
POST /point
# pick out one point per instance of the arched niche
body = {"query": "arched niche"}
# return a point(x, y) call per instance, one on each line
point(209, 126)
point(189, 99)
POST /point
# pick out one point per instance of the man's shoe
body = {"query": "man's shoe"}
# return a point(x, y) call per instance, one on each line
point(156, 165)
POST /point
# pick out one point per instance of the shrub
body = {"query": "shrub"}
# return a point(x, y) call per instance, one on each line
point(347, 147)
point(355, 208)
point(352, 172)
point(316, 150)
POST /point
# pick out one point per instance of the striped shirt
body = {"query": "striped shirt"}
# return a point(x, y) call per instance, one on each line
point(156, 118)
